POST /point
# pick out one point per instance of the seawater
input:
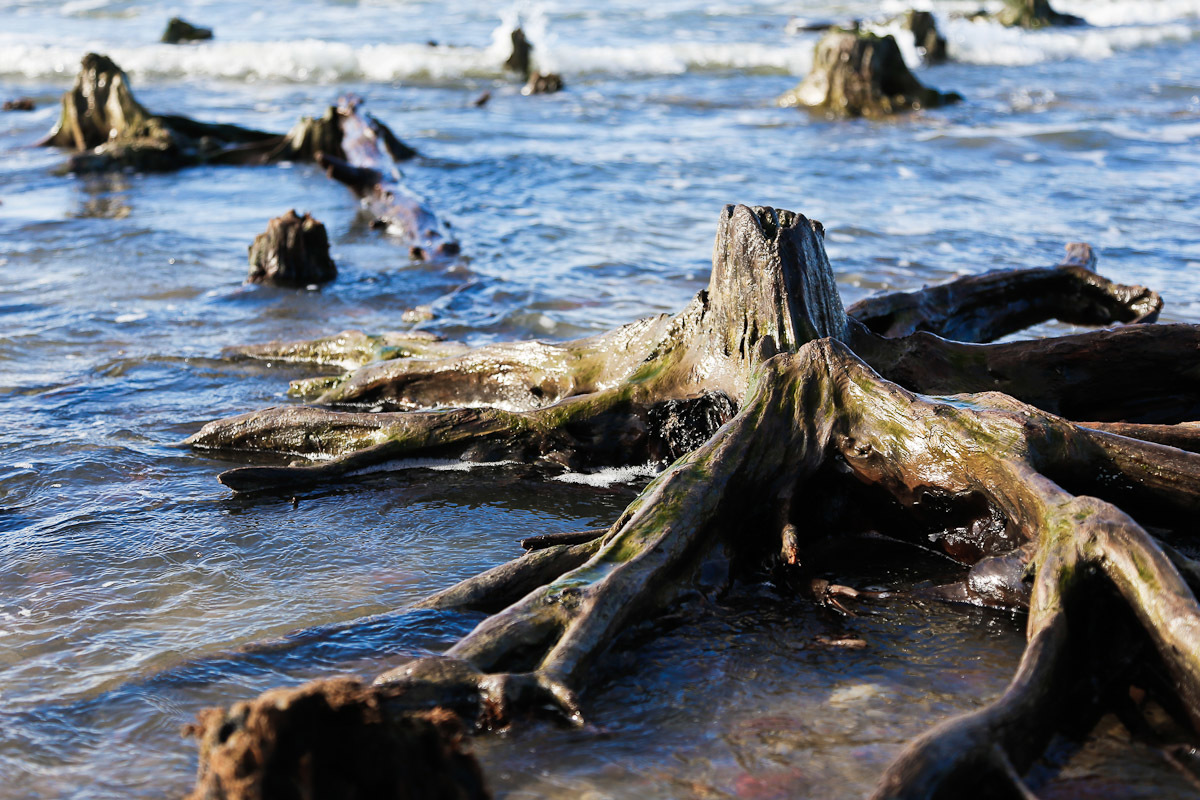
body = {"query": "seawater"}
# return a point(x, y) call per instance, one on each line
point(135, 590)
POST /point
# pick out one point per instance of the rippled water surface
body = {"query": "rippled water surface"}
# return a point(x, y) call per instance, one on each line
point(135, 590)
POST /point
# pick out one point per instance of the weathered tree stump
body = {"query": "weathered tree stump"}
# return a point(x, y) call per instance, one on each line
point(926, 36)
point(333, 739)
point(293, 251)
point(519, 60)
point(180, 30)
point(1034, 14)
point(110, 129)
point(860, 74)
point(538, 83)
point(782, 409)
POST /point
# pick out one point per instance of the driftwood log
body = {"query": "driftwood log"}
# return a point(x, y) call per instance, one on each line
point(108, 129)
point(1060, 473)
point(856, 73)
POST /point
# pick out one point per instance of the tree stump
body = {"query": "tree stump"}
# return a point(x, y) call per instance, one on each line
point(859, 74)
point(293, 251)
point(518, 61)
point(19, 104)
point(1034, 14)
point(180, 30)
point(333, 739)
point(926, 36)
point(783, 408)
point(538, 83)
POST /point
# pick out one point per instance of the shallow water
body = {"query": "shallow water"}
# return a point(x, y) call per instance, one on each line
point(132, 585)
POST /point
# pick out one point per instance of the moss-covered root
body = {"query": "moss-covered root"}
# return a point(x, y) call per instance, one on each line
point(334, 738)
point(856, 73)
point(1086, 548)
point(982, 308)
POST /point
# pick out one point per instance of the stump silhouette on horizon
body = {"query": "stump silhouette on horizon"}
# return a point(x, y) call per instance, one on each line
point(856, 73)
point(180, 30)
point(1034, 14)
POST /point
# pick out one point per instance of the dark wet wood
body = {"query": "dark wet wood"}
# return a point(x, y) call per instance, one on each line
point(293, 251)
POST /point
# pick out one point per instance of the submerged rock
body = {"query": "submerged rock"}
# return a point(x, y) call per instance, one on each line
point(180, 30)
point(19, 104)
point(926, 36)
point(856, 73)
point(1034, 14)
point(538, 83)
point(293, 251)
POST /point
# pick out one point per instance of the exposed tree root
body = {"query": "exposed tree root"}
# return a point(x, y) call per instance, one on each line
point(785, 410)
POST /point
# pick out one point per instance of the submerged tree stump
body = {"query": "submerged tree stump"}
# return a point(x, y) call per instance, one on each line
point(519, 60)
point(795, 412)
point(1034, 14)
point(538, 83)
point(333, 739)
point(860, 74)
point(109, 129)
point(293, 251)
point(180, 30)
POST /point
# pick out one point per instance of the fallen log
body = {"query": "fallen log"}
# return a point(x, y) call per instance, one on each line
point(109, 129)
point(797, 412)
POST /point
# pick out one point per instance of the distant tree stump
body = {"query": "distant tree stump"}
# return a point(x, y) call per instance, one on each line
point(860, 74)
point(1034, 14)
point(180, 30)
point(332, 739)
point(19, 104)
point(926, 36)
point(294, 251)
point(518, 62)
point(538, 83)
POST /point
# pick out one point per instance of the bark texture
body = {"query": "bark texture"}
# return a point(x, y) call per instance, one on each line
point(293, 251)
point(333, 739)
point(858, 74)
point(778, 411)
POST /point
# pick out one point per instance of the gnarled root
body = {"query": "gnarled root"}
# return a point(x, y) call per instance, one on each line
point(828, 414)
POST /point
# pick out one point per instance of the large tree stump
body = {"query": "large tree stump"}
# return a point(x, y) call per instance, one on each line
point(796, 411)
point(293, 251)
point(519, 60)
point(859, 74)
